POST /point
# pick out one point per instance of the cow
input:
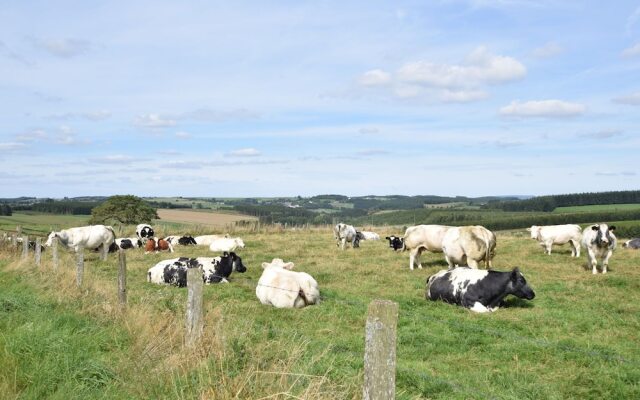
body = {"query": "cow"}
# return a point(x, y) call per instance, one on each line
point(344, 233)
point(89, 237)
point(205, 240)
point(395, 242)
point(632, 244)
point(557, 234)
point(181, 240)
point(281, 287)
point(144, 232)
point(214, 269)
point(468, 245)
point(366, 235)
point(128, 243)
point(600, 242)
point(226, 244)
point(478, 290)
point(423, 237)
point(156, 245)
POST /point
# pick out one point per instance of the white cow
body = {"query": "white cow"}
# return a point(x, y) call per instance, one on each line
point(423, 237)
point(344, 233)
point(206, 240)
point(282, 288)
point(600, 242)
point(88, 237)
point(226, 244)
point(558, 234)
point(367, 235)
point(468, 245)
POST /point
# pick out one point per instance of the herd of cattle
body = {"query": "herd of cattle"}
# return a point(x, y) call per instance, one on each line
point(463, 248)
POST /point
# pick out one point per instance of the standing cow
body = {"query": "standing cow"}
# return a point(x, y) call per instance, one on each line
point(557, 234)
point(423, 237)
point(344, 233)
point(468, 245)
point(88, 237)
point(600, 242)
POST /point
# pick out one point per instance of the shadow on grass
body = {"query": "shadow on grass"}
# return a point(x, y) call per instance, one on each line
point(517, 302)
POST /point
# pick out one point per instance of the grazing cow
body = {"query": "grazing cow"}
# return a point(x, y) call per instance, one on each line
point(395, 242)
point(226, 244)
point(281, 287)
point(344, 233)
point(206, 240)
point(144, 232)
point(423, 237)
point(632, 244)
point(600, 242)
point(477, 290)
point(366, 235)
point(557, 234)
point(214, 269)
point(156, 245)
point(181, 240)
point(89, 237)
point(468, 245)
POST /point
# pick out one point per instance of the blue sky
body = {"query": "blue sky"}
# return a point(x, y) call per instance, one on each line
point(200, 98)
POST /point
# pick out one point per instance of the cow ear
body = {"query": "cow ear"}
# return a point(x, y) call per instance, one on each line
point(595, 228)
point(225, 254)
point(288, 266)
point(528, 229)
point(612, 228)
point(265, 265)
point(514, 274)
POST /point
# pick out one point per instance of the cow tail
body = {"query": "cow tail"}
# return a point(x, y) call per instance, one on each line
point(487, 251)
point(110, 228)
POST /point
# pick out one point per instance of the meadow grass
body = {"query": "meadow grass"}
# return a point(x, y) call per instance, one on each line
point(577, 339)
point(597, 207)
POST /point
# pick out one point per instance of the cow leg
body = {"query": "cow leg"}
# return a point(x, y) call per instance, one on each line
point(547, 247)
point(472, 263)
point(479, 308)
point(575, 251)
point(449, 261)
point(592, 262)
point(605, 261)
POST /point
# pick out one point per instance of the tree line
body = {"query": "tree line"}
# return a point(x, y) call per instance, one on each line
point(6, 210)
point(550, 203)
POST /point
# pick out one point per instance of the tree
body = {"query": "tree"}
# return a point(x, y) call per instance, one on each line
point(125, 209)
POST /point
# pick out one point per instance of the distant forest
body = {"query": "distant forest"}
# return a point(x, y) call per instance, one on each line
point(550, 203)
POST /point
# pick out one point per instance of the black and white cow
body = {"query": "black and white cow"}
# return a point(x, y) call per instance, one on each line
point(344, 233)
point(128, 243)
point(600, 242)
point(395, 242)
point(632, 244)
point(144, 232)
point(181, 240)
point(214, 269)
point(477, 290)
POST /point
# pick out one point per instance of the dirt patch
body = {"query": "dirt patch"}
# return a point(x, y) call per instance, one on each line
point(202, 218)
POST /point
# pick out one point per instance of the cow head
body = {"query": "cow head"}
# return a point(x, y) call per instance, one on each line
point(50, 238)
point(535, 231)
point(236, 261)
point(278, 263)
point(604, 237)
point(518, 285)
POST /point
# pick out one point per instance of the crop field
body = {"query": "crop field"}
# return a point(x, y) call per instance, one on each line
point(598, 207)
point(210, 219)
point(577, 339)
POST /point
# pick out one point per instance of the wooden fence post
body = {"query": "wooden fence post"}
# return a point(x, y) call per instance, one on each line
point(104, 253)
point(80, 266)
point(122, 278)
point(38, 251)
point(25, 246)
point(194, 307)
point(380, 351)
point(14, 242)
point(54, 253)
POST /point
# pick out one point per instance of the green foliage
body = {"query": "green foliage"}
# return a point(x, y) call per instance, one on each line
point(549, 203)
point(125, 209)
point(6, 210)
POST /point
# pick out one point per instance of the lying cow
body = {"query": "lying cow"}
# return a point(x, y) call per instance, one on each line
point(206, 240)
point(557, 234)
point(89, 237)
point(395, 242)
point(226, 244)
point(367, 235)
point(128, 243)
point(156, 245)
point(214, 269)
point(423, 237)
point(281, 287)
point(477, 290)
point(181, 240)
point(600, 242)
point(632, 244)
point(144, 232)
point(344, 233)
point(468, 245)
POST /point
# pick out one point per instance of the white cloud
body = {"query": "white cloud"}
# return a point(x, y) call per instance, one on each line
point(113, 159)
point(601, 135)
point(372, 152)
point(8, 146)
point(64, 48)
point(183, 135)
point(247, 152)
point(543, 108)
point(548, 50)
point(375, 77)
point(632, 99)
point(153, 121)
point(632, 51)
point(622, 173)
point(210, 115)
point(462, 96)
point(32, 135)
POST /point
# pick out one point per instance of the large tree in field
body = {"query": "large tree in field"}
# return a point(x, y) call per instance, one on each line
point(125, 209)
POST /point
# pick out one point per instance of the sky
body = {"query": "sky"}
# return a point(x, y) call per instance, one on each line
point(287, 98)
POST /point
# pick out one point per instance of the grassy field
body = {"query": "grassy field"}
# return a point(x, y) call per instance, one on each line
point(602, 207)
point(40, 224)
point(577, 339)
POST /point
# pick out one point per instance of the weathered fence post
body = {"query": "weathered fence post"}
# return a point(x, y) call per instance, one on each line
point(104, 252)
point(54, 252)
point(194, 306)
point(122, 278)
point(38, 251)
point(80, 266)
point(380, 351)
point(14, 242)
point(25, 246)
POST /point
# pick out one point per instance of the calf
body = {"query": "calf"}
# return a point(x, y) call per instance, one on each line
point(395, 242)
point(549, 235)
point(600, 242)
point(156, 245)
point(632, 244)
point(477, 290)
point(214, 269)
point(281, 287)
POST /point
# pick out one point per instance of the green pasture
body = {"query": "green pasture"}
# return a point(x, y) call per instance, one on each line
point(597, 207)
point(577, 339)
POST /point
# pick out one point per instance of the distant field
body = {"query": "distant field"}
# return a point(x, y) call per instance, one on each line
point(600, 207)
point(202, 218)
point(39, 223)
